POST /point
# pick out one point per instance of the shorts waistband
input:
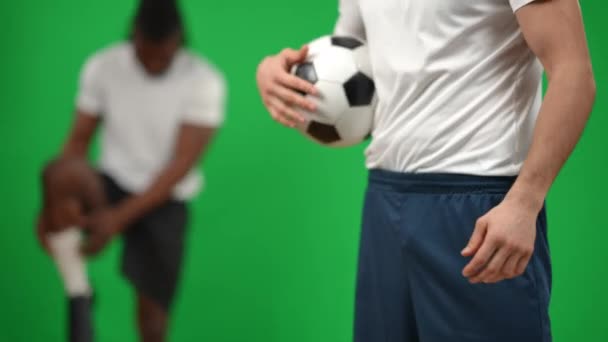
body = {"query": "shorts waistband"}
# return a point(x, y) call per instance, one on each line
point(438, 182)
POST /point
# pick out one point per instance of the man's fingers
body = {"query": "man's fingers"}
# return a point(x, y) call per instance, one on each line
point(91, 249)
point(94, 244)
point(479, 233)
point(282, 111)
point(481, 258)
point(274, 113)
point(88, 247)
point(44, 241)
point(293, 82)
point(523, 263)
point(82, 221)
point(510, 269)
point(303, 52)
point(291, 97)
point(493, 270)
point(86, 223)
point(41, 233)
point(278, 117)
point(293, 57)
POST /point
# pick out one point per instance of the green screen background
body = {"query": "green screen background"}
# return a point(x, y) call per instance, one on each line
point(273, 240)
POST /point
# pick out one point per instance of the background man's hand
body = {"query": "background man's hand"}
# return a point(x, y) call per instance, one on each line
point(101, 227)
point(42, 231)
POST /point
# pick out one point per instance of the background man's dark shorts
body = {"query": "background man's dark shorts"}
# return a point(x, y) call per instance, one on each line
point(153, 247)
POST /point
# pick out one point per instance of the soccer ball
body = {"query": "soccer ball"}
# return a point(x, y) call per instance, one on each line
point(339, 68)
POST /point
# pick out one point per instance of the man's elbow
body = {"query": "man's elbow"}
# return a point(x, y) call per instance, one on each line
point(587, 80)
point(588, 89)
point(592, 87)
point(579, 76)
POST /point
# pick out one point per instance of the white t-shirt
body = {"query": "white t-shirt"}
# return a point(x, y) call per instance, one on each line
point(459, 89)
point(141, 114)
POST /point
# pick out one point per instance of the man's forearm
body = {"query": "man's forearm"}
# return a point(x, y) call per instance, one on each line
point(158, 193)
point(564, 113)
point(74, 150)
point(190, 146)
point(80, 136)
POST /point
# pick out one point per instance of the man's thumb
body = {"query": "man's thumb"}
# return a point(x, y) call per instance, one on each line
point(293, 57)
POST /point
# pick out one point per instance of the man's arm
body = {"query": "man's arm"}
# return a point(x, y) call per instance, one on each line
point(191, 143)
point(103, 225)
point(554, 31)
point(75, 147)
point(89, 105)
point(503, 241)
point(80, 136)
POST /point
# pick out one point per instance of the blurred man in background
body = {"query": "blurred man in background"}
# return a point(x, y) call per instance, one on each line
point(157, 107)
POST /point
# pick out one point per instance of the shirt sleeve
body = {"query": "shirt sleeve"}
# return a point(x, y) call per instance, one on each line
point(205, 104)
point(350, 22)
point(90, 98)
point(517, 4)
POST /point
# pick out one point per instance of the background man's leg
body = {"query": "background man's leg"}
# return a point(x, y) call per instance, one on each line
point(151, 319)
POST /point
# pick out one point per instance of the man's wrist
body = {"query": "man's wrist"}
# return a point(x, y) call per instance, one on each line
point(529, 196)
point(127, 211)
point(133, 207)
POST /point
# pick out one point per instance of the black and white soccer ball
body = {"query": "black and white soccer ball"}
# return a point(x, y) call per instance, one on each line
point(340, 69)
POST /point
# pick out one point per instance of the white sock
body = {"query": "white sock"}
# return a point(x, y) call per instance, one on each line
point(65, 247)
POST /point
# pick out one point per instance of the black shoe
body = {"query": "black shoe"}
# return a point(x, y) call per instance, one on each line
point(80, 319)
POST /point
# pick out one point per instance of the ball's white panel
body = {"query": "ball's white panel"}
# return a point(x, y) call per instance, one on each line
point(362, 61)
point(330, 102)
point(354, 125)
point(318, 46)
point(335, 64)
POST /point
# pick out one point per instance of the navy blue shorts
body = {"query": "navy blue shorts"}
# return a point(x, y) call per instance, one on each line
point(410, 285)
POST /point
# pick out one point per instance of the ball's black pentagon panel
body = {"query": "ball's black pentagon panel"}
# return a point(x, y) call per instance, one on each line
point(359, 90)
point(326, 134)
point(346, 42)
point(306, 71)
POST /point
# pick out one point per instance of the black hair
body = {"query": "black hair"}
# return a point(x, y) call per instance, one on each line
point(158, 20)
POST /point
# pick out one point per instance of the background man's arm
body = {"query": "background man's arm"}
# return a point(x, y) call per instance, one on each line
point(191, 144)
point(80, 136)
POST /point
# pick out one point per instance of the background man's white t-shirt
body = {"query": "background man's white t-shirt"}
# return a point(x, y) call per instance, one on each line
point(459, 89)
point(141, 114)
